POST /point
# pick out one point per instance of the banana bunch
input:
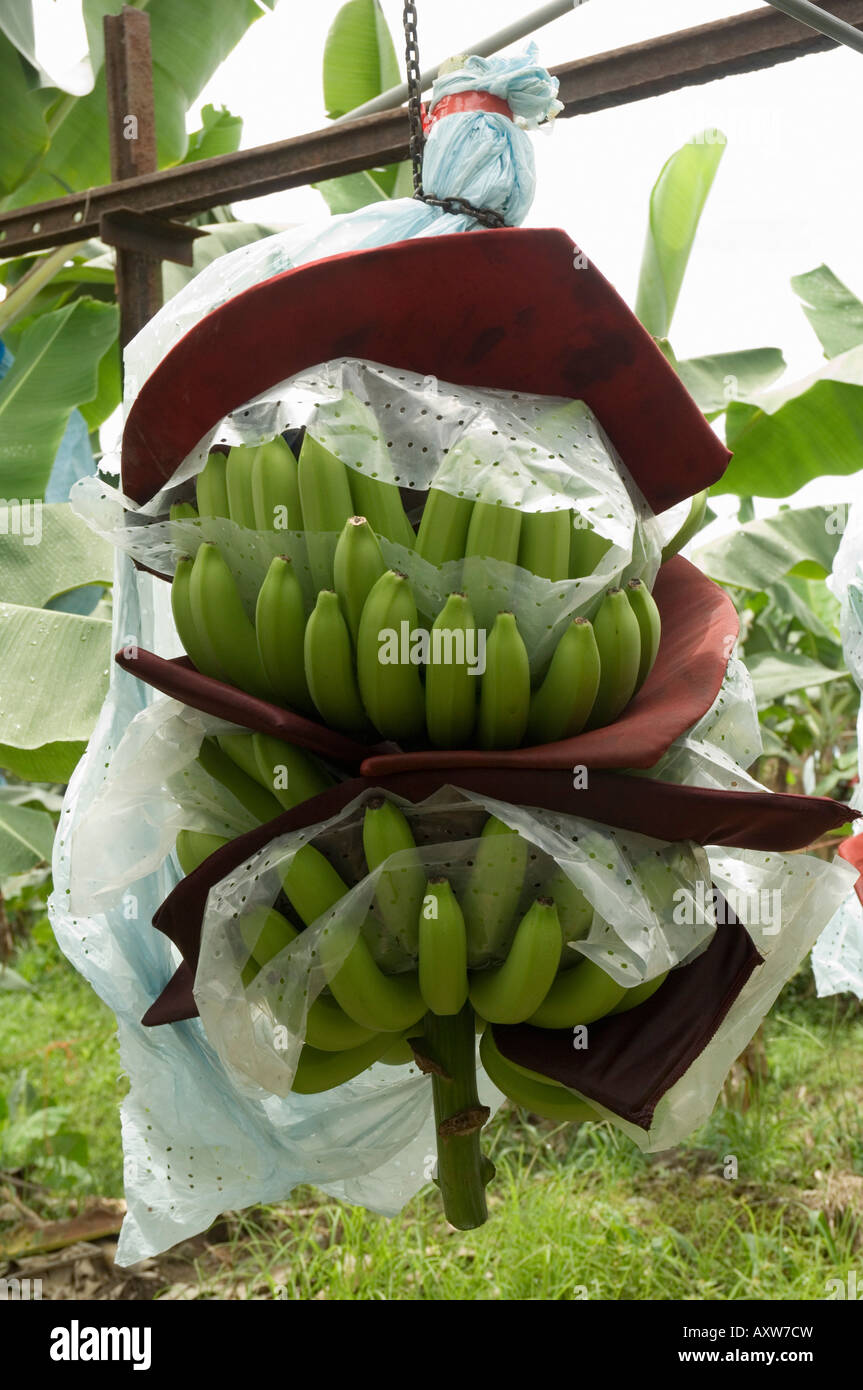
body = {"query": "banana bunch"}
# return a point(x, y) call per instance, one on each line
point(363, 663)
point(368, 1014)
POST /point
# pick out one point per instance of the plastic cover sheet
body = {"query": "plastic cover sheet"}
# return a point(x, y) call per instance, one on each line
point(372, 1140)
point(837, 960)
point(533, 453)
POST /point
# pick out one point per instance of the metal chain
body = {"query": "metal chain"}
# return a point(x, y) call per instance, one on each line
point(412, 68)
point(486, 216)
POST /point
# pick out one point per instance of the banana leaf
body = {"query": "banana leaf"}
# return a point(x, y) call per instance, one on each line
point(834, 312)
point(55, 370)
point(758, 554)
point(26, 839)
point(55, 675)
point(676, 204)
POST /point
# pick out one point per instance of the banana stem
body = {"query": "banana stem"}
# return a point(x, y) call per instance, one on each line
point(463, 1170)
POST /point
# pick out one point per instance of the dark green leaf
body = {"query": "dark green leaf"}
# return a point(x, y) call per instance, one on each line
point(55, 370)
point(220, 133)
point(25, 134)
point(789, 437)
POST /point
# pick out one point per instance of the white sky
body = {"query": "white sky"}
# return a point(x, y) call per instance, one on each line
point(788, 195)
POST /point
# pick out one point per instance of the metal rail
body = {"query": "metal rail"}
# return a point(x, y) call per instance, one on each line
point(745, 43)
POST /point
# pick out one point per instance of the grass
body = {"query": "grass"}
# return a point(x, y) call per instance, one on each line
point(574, 1212)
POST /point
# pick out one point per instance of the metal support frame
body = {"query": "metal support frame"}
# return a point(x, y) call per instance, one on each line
point(132, 148)
point(745, 43)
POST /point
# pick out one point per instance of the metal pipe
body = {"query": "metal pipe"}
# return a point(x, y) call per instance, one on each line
point(820, 20)
point(519, 29)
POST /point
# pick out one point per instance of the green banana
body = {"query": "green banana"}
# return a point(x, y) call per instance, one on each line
point(270, 761)
point(543, 546)
point(638, 995)
point(323, 1071)
point(218, 613)
point(391, 691)
point(381, 504)
point(490, 900)
point(183, 511)
point(493, 532)
point(561, 706)
point(504, 697)
point(325, 498)
point(357, 567)
point(511, 992)
point(586, 549)
point(399, 1054)
point(537, 1094)
point(265, 933)
point(258, 802)
point(450, 689)
point(328, 1028)
point(399, 896)
point(691, 525)
point(618, 638)
point(194, 846)
point(575, 914)
point(442, 949)
point(379, 1002)
point(643, 605)
point(277, 761)
point(238, 478)
point(238, 747)
point(329, 666)
point(280, 625)
point(211, 487)
point(275, 488)
point(443, 528)
point(578, 996)
point(195, 641)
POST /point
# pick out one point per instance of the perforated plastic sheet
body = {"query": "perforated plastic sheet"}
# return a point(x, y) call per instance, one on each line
point(196, 1140)
point(837, 960)
point(533, 453)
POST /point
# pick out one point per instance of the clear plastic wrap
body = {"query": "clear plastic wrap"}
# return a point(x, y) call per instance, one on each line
point(837, 960)
point(533, 453)
point(370, 1141)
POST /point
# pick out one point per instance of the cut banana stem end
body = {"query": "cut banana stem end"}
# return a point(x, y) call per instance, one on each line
point(462, 1169)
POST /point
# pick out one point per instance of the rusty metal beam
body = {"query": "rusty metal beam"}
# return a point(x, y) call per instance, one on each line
point(132, 147)
point(744, 43)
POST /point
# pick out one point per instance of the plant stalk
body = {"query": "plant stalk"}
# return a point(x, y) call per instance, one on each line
point(462, 1170)
point(37, 277)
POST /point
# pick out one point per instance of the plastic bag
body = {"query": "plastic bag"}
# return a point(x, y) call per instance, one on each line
point(533, 453)
point(837, 960)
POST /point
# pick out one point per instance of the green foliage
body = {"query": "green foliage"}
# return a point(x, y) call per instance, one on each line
point(834, 312)
point(359, 57)
point(715, 381)
point(360, 63)
point(676, 204)
point(26, 838)
point(55, 369)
